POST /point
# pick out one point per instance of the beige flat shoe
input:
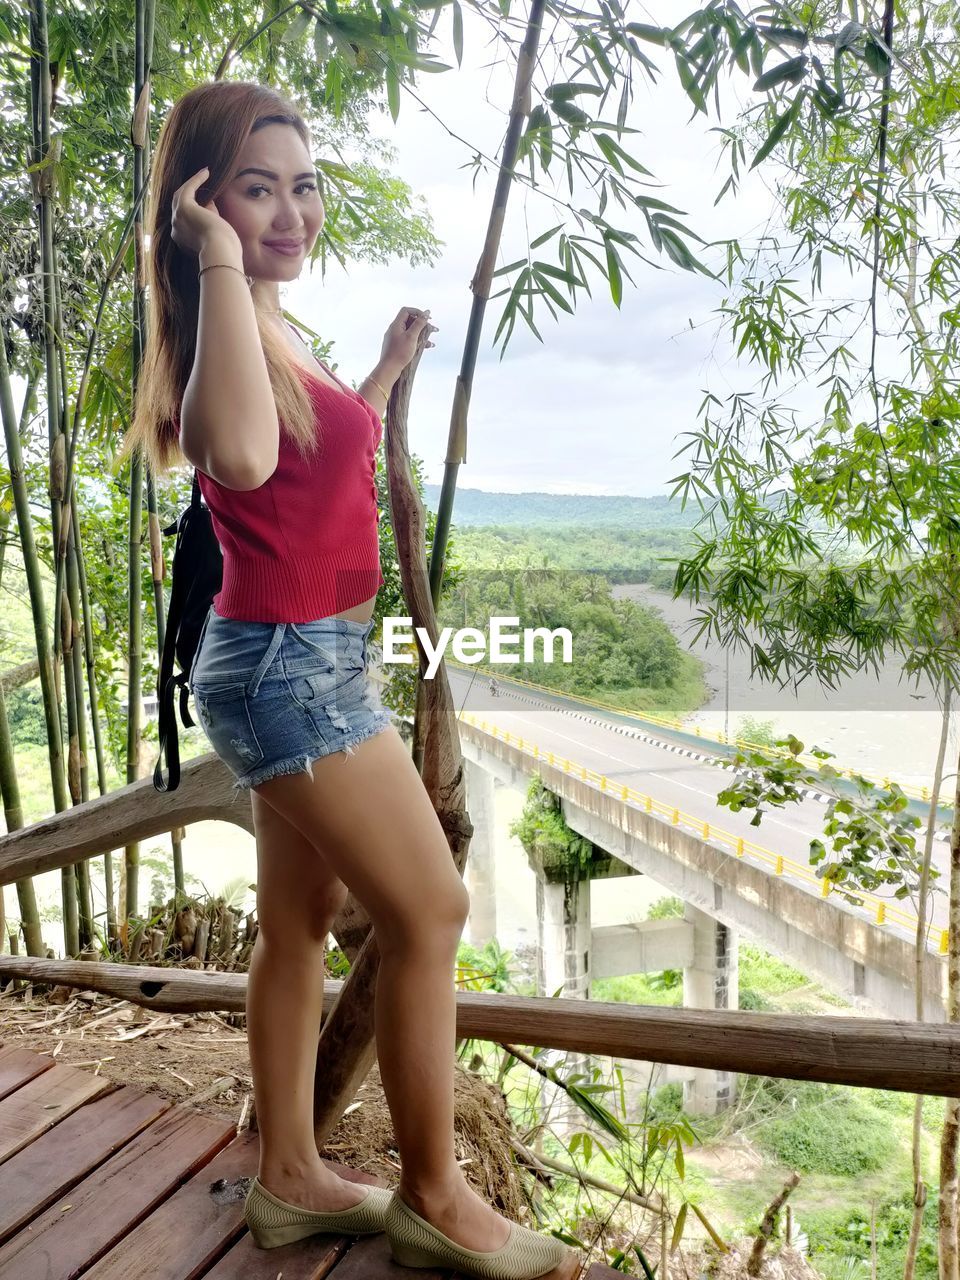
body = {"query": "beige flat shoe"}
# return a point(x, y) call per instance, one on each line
point(414, 1242)
point(272, 1221)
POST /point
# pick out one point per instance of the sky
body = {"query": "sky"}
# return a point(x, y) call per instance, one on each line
point(600, 405)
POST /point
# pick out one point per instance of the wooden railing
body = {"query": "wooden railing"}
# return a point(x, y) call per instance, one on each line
point(911, 1057)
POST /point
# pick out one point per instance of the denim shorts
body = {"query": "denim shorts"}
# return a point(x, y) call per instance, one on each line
point(272, 697)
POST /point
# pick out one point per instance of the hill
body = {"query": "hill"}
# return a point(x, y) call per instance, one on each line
point(477, 507)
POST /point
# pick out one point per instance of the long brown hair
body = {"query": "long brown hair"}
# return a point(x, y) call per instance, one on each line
point(207, 125)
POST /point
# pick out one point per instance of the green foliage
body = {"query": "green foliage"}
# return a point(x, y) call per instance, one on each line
point(840, 1239)
point(873, 835)
point(761, 732)
point(665, 1104)
point(766, 972)
point(542, 831)
point(618, 649)
point(25, 715)
point(838, 1134)
point(637, 988)
point(666, 909)
point(829, 540)
point(486, 968)
point(755, 1001)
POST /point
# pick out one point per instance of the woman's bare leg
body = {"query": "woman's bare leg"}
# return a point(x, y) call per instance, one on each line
point(370, 813)
point(298, 897)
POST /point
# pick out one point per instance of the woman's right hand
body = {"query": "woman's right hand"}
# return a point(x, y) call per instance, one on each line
point(194, 225)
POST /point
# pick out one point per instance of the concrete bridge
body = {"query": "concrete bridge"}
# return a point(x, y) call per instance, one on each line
point(867, 954)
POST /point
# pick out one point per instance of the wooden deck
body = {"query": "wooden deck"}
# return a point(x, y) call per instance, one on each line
point(109, 1182)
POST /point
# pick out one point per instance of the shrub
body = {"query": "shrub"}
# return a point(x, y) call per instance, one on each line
point(842, 1135)
point(838, 1235)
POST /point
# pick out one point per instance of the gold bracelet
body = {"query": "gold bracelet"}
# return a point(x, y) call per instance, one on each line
point(222, 264)
point(385, 394)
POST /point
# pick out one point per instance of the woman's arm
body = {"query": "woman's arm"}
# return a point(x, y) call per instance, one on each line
point(229, 425)
point(386, 373)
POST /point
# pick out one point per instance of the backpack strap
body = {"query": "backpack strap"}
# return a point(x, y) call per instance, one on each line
point(167, 681)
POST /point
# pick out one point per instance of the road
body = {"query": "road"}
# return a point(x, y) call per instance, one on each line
point(665, 771)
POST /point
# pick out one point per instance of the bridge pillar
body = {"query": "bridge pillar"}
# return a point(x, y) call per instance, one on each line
point(563, 963)
point(481, 869)
point(710, 982)
point(563, 928)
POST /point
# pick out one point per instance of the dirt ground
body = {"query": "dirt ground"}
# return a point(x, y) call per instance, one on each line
point(202, 1059)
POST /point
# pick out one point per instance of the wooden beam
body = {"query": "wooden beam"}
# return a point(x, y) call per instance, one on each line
point(135, 812)
point(879, 1053)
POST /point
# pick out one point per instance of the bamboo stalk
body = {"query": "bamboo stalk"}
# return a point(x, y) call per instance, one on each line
point(480, 285)
point(91, 674)
point(42, 174)
point(10, 790)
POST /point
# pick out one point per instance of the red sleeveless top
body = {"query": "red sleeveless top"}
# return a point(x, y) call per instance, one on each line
point(305, 544)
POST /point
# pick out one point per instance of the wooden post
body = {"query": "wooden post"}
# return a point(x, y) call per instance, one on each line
point(346, 1049)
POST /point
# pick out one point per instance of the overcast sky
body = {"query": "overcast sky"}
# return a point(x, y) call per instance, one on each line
point(600, 405)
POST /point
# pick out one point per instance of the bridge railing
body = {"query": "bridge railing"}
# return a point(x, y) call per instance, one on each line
point(647, 718)
point(880, 910)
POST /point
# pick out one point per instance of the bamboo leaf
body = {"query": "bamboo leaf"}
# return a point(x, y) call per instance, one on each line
point(792, 71)
point(458, 32)
point(847, 36)
point(786, 35)
point(624, 102)
point(570, 112)
point(711, 1232)
point(511, 266)
point(613, 274)
point(563, 91)
point(644, 31)
point(604, 141)
point(741, 50)
point(566, 276)
point(425, 62)
point(321, 42)
point(780, 127)
point(344, 47)
point(393, 90)
point(553, 291)
point(876, 58)
point(535, 244)
point(678, 1228)
point(648, 1271)
point(689, 82)
point(679, 252)
point(297, 27)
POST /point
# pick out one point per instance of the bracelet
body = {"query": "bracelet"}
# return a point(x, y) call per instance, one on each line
point(210, 265)
point(385, 394)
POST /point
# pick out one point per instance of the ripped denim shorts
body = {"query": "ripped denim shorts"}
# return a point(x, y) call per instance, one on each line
point(274, 697)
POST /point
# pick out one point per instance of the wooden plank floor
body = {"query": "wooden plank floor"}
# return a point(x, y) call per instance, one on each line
point(107, 1181)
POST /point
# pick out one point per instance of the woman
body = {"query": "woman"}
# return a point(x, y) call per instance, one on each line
point(286, 459)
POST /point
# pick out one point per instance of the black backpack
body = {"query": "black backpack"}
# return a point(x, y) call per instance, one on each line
point(196, 576)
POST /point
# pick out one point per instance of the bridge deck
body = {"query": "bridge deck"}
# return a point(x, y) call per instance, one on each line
point(110, 1182)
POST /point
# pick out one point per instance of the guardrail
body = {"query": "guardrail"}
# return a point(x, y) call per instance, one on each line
point(667, 722)
point(880, 910)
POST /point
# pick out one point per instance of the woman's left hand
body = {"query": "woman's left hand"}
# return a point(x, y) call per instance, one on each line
point(400, 340)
